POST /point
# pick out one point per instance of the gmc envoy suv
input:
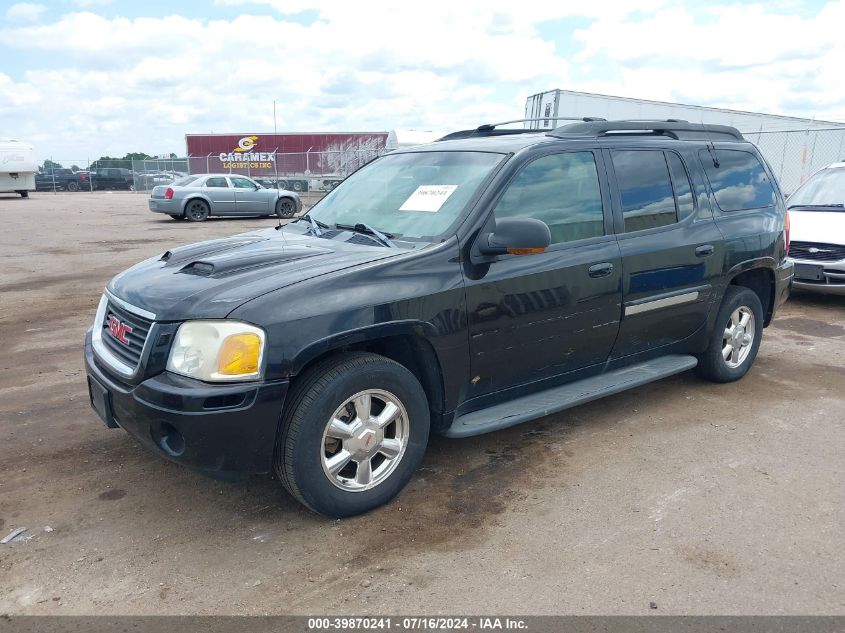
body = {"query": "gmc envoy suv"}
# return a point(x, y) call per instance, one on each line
point(493, 277)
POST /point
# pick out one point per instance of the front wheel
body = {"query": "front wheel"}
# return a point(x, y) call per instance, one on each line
point(736, 337)
point(24, 194)
point(285, 208)
point(353, 434)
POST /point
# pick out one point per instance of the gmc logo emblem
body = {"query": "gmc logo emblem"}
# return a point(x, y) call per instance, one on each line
point(119, 330)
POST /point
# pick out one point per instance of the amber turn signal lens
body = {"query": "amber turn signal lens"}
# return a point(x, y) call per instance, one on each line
point(527, 251)
point(239, 355)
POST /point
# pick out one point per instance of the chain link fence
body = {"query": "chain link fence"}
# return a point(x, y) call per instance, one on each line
point(795, 155)
point(301, 172)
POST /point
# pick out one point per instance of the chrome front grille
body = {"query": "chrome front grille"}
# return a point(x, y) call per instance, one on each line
point(816, 251)
point(120, 335)
point(133, 328)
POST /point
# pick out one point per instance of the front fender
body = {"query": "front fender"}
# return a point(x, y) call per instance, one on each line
point(284, 193)
point(360, 335)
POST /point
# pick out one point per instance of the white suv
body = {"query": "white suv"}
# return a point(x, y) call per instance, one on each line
point(817, 217)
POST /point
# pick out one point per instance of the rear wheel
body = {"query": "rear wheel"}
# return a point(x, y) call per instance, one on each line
point(285, 208)
point(355, 431)
point(24, 194)
point(736, 337)
point(197, 211)
point(72, 186)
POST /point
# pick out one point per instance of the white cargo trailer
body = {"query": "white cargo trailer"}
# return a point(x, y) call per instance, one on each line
point(568, 103)
point(18, 165)
point(794, 147)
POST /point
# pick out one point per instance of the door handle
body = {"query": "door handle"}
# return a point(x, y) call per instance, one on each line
point(600, 270)
point(705, 250)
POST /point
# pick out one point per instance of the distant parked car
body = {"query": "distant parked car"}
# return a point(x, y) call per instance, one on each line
point(148, 180)
point(61, 179)
point(114, 178)
point(202, 195)
point(817, 217)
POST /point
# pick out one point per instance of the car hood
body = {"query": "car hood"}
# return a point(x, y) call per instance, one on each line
point(210, 279)
point(827, 227)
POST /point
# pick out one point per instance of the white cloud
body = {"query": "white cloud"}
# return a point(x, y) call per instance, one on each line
point(122, 84)
point(25, 12)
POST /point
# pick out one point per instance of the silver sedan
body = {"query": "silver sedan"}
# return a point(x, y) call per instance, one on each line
point(199, 196)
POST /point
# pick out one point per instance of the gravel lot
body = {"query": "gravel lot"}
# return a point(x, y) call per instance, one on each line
point(700, 498)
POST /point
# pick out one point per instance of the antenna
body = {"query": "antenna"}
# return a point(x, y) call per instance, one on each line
point(711, 149)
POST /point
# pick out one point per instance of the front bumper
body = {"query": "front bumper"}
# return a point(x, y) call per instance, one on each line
point(222, 430)
point(832, 273)
point(161, 205)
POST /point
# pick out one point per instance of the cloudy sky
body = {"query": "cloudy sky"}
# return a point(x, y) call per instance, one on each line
point(82, 78)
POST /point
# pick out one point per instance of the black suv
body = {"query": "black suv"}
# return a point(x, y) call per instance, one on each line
point(62, 179)
point(490, 278)
point(114, 178)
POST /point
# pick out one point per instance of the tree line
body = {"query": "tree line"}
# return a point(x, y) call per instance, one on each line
point(104, 161)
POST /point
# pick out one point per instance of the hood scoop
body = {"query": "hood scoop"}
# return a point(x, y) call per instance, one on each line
point(231, 262)
point(182, 254)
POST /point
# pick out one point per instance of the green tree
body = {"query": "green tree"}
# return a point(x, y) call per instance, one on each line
point(137, 156)
point(49, 164)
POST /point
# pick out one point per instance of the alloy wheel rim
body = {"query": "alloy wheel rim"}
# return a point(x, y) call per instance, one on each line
point(738, 337)
point(197, 211)
point(364, 440)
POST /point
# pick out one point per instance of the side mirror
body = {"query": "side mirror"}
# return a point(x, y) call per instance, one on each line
point(516, 236)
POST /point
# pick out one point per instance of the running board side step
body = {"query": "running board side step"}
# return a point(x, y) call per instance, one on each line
point(544, 403)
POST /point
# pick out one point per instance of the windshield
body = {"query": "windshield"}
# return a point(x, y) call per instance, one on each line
point(824, 188)
point(413, 195)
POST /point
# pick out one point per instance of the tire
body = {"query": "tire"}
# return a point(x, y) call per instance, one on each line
point(285, 208)
point(298, 186)
point(305, 442)
point(24, 194)
point(739, 305)
point(72, 186)
point(197, 210)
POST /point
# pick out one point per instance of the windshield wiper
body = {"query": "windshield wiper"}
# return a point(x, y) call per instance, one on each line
point(316, 225)
point(366, 229)
point(835, 205)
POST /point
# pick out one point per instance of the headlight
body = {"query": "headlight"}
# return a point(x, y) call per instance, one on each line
point(217, 351)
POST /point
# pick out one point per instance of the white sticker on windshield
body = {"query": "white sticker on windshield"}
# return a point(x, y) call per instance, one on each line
point(428, 198)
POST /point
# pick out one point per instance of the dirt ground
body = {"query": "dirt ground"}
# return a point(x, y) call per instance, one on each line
point(700, 498)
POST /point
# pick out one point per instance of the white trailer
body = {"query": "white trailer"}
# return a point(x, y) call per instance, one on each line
point(794, 147)
point(18, 165)
point(568, 103)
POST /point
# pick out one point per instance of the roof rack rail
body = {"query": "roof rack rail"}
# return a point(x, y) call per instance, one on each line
point(673, 128)
point(489, 129)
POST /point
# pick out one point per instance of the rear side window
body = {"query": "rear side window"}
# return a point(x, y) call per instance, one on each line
point(217, 182)
point(645, 188)
point(563, 191)
point(739, 182)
